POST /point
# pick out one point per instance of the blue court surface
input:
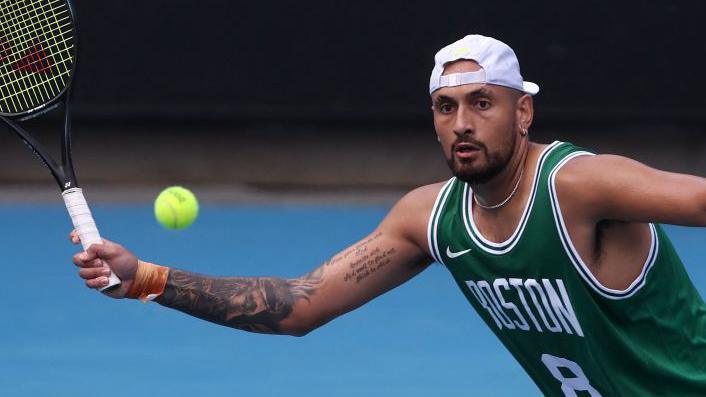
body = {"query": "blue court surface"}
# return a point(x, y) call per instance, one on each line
point(59, 338)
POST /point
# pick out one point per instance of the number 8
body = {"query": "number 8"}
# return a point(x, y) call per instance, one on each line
point(569, 385)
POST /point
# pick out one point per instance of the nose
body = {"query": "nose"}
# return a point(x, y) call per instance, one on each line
point(463, 124)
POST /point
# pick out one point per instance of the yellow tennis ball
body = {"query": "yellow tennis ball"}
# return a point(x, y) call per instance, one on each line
point(176, 208)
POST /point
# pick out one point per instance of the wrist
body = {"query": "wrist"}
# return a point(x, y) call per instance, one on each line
point(149, 283)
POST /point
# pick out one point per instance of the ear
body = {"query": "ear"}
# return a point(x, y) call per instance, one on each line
point(524, 111)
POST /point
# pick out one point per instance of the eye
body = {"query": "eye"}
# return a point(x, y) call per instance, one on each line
point(445, 108)
point(483, 104)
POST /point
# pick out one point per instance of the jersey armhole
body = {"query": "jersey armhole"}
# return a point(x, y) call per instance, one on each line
point(433, 224)
point(573, 254)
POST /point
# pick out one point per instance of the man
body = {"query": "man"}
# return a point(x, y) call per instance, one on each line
point(552, 245)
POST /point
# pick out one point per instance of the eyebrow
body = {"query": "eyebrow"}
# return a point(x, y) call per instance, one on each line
point(479, 93)
point(443, 99)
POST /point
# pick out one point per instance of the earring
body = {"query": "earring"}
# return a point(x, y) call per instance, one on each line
point(523, 131)
point(438, 139)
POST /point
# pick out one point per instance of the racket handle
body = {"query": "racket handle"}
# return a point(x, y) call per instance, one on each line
point(85, 225)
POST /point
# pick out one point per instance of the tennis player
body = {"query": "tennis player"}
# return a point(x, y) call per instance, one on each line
point(559, 250)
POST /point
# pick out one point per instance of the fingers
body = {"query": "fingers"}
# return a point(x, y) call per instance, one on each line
point(74, 238)
point(96, 283)
point(82, 259)
point(95, 254)
point(93, 263)
point(105, 250)
point(94, 272)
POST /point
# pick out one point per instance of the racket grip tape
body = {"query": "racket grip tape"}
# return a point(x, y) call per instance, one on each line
point(85, 225)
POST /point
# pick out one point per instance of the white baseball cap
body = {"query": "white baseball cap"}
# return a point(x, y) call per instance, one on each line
point(497, 60)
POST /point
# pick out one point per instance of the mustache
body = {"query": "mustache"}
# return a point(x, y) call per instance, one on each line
point(469, 139)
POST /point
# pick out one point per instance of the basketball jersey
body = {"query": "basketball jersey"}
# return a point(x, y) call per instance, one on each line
point(574, 336)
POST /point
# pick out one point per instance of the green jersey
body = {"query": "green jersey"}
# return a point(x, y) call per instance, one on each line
point(574, 336)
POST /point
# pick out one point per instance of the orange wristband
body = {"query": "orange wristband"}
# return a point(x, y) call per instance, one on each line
point(150, 281)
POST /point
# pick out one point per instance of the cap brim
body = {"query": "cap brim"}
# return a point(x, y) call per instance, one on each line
point(530, 87)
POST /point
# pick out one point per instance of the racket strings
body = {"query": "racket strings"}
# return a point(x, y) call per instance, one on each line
point(16, 20)
point(29, 35)
point(28, 60)
point(36, 52)
point(35, 60)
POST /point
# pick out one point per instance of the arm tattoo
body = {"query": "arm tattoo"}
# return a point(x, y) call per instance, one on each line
point(251, 304)
point(261, 304)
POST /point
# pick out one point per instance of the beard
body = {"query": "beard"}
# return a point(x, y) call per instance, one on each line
point(486, 165)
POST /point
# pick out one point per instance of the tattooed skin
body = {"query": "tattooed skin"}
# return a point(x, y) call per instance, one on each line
point(261, 304)
point(251, 304)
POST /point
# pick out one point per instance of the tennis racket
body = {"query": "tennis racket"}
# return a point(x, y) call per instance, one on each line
point(37, 65)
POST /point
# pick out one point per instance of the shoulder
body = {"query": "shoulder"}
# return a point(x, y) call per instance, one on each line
point(588, 171)
point(590, 183)
point(410, 215)
point(422, 198)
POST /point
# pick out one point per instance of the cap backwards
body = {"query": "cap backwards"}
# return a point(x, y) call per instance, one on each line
point(497, 60)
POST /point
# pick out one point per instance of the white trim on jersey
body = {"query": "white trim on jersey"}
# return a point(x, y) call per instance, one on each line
point(507, 245)
point(434, 219)
point(576, 259)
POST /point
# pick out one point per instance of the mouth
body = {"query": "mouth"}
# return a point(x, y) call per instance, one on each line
point(465, 150)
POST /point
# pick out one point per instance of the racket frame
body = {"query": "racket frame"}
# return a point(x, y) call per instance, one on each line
point(63, 174)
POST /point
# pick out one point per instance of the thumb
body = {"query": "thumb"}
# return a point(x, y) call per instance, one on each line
point(97, 251)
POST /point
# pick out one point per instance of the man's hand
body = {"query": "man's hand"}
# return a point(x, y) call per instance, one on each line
point(93, 270)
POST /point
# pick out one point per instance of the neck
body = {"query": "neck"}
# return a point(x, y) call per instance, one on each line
point(502, 185)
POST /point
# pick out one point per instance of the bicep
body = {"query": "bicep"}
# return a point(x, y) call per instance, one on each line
point(618, 188)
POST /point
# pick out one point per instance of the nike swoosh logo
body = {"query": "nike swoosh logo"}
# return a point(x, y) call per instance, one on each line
point(455, 254)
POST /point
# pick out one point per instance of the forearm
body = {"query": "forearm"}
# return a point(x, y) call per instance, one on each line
point(250, 304)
